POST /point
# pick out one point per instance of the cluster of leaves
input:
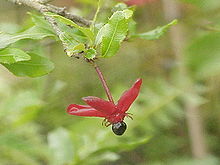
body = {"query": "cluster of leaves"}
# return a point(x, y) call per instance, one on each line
point(25, 116)
point(100, 40)
point(22, 63)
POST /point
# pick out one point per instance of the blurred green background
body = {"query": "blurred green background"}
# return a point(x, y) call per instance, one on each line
point(176, 116)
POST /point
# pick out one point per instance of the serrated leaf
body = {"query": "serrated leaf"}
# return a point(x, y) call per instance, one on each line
point(35, 33)
point(156, 33)
point(74, 33)
point(113, 33)
point(13, 55)
point(36, 67)
point(66, 21)
point(72, 46)
point(90, 53)
point(61, 146)
point(42, 23)
point(76, 49)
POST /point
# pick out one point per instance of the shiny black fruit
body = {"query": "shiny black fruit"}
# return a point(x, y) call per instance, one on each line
point(119, 128)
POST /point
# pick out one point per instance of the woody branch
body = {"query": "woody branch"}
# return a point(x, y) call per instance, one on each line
point(40, 6)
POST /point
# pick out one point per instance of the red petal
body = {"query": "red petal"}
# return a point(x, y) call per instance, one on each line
point(101, 105)
point(83, 110)
point(129, 96)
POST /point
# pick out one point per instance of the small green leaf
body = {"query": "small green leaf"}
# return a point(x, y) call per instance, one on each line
point(76, 49)
point(35, 33)
point(66, 21)
point(12, 55)
point(113, 33)
point(61, 146)
point(90, 53)
point(36, 67)
point(156, 33)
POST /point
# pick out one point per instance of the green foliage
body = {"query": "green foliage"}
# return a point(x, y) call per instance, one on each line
point(34, 127)
point(37, 66)
point(86, 31)
point(21, 63)
point(90, 53)
point(39, 21)
point(77, 40)
point(113, 33)
point(119, 7)
point(156, 33)
point(12, 55)
point(35, 33)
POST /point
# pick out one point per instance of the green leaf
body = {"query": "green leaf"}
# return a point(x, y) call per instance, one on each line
point(76, 49)
point(90, 53)
point(66, 21)
point(113, 33)
point(41, 22)
point(12, 55)
point(119, 7)
point(156, 33)
point(36, 67)
point(68, 41)
point(61, 146)
point(35, 33)
point(72, 46)
point(203, 56)
point(74, 33)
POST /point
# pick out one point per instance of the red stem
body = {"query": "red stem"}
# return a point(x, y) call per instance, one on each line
point(104, 84)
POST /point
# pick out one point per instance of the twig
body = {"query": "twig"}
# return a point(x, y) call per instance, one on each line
point(56, 28)
point(43, 8)
point(54, 9)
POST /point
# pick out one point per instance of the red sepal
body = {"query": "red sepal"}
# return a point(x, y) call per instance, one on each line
point(99, 104)
point(129, 96)
point(83, 110)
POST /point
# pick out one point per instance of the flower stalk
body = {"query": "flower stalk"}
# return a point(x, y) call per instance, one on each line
point(104, 84)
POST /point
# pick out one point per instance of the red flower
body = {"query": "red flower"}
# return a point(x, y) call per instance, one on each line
point(113, 114)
